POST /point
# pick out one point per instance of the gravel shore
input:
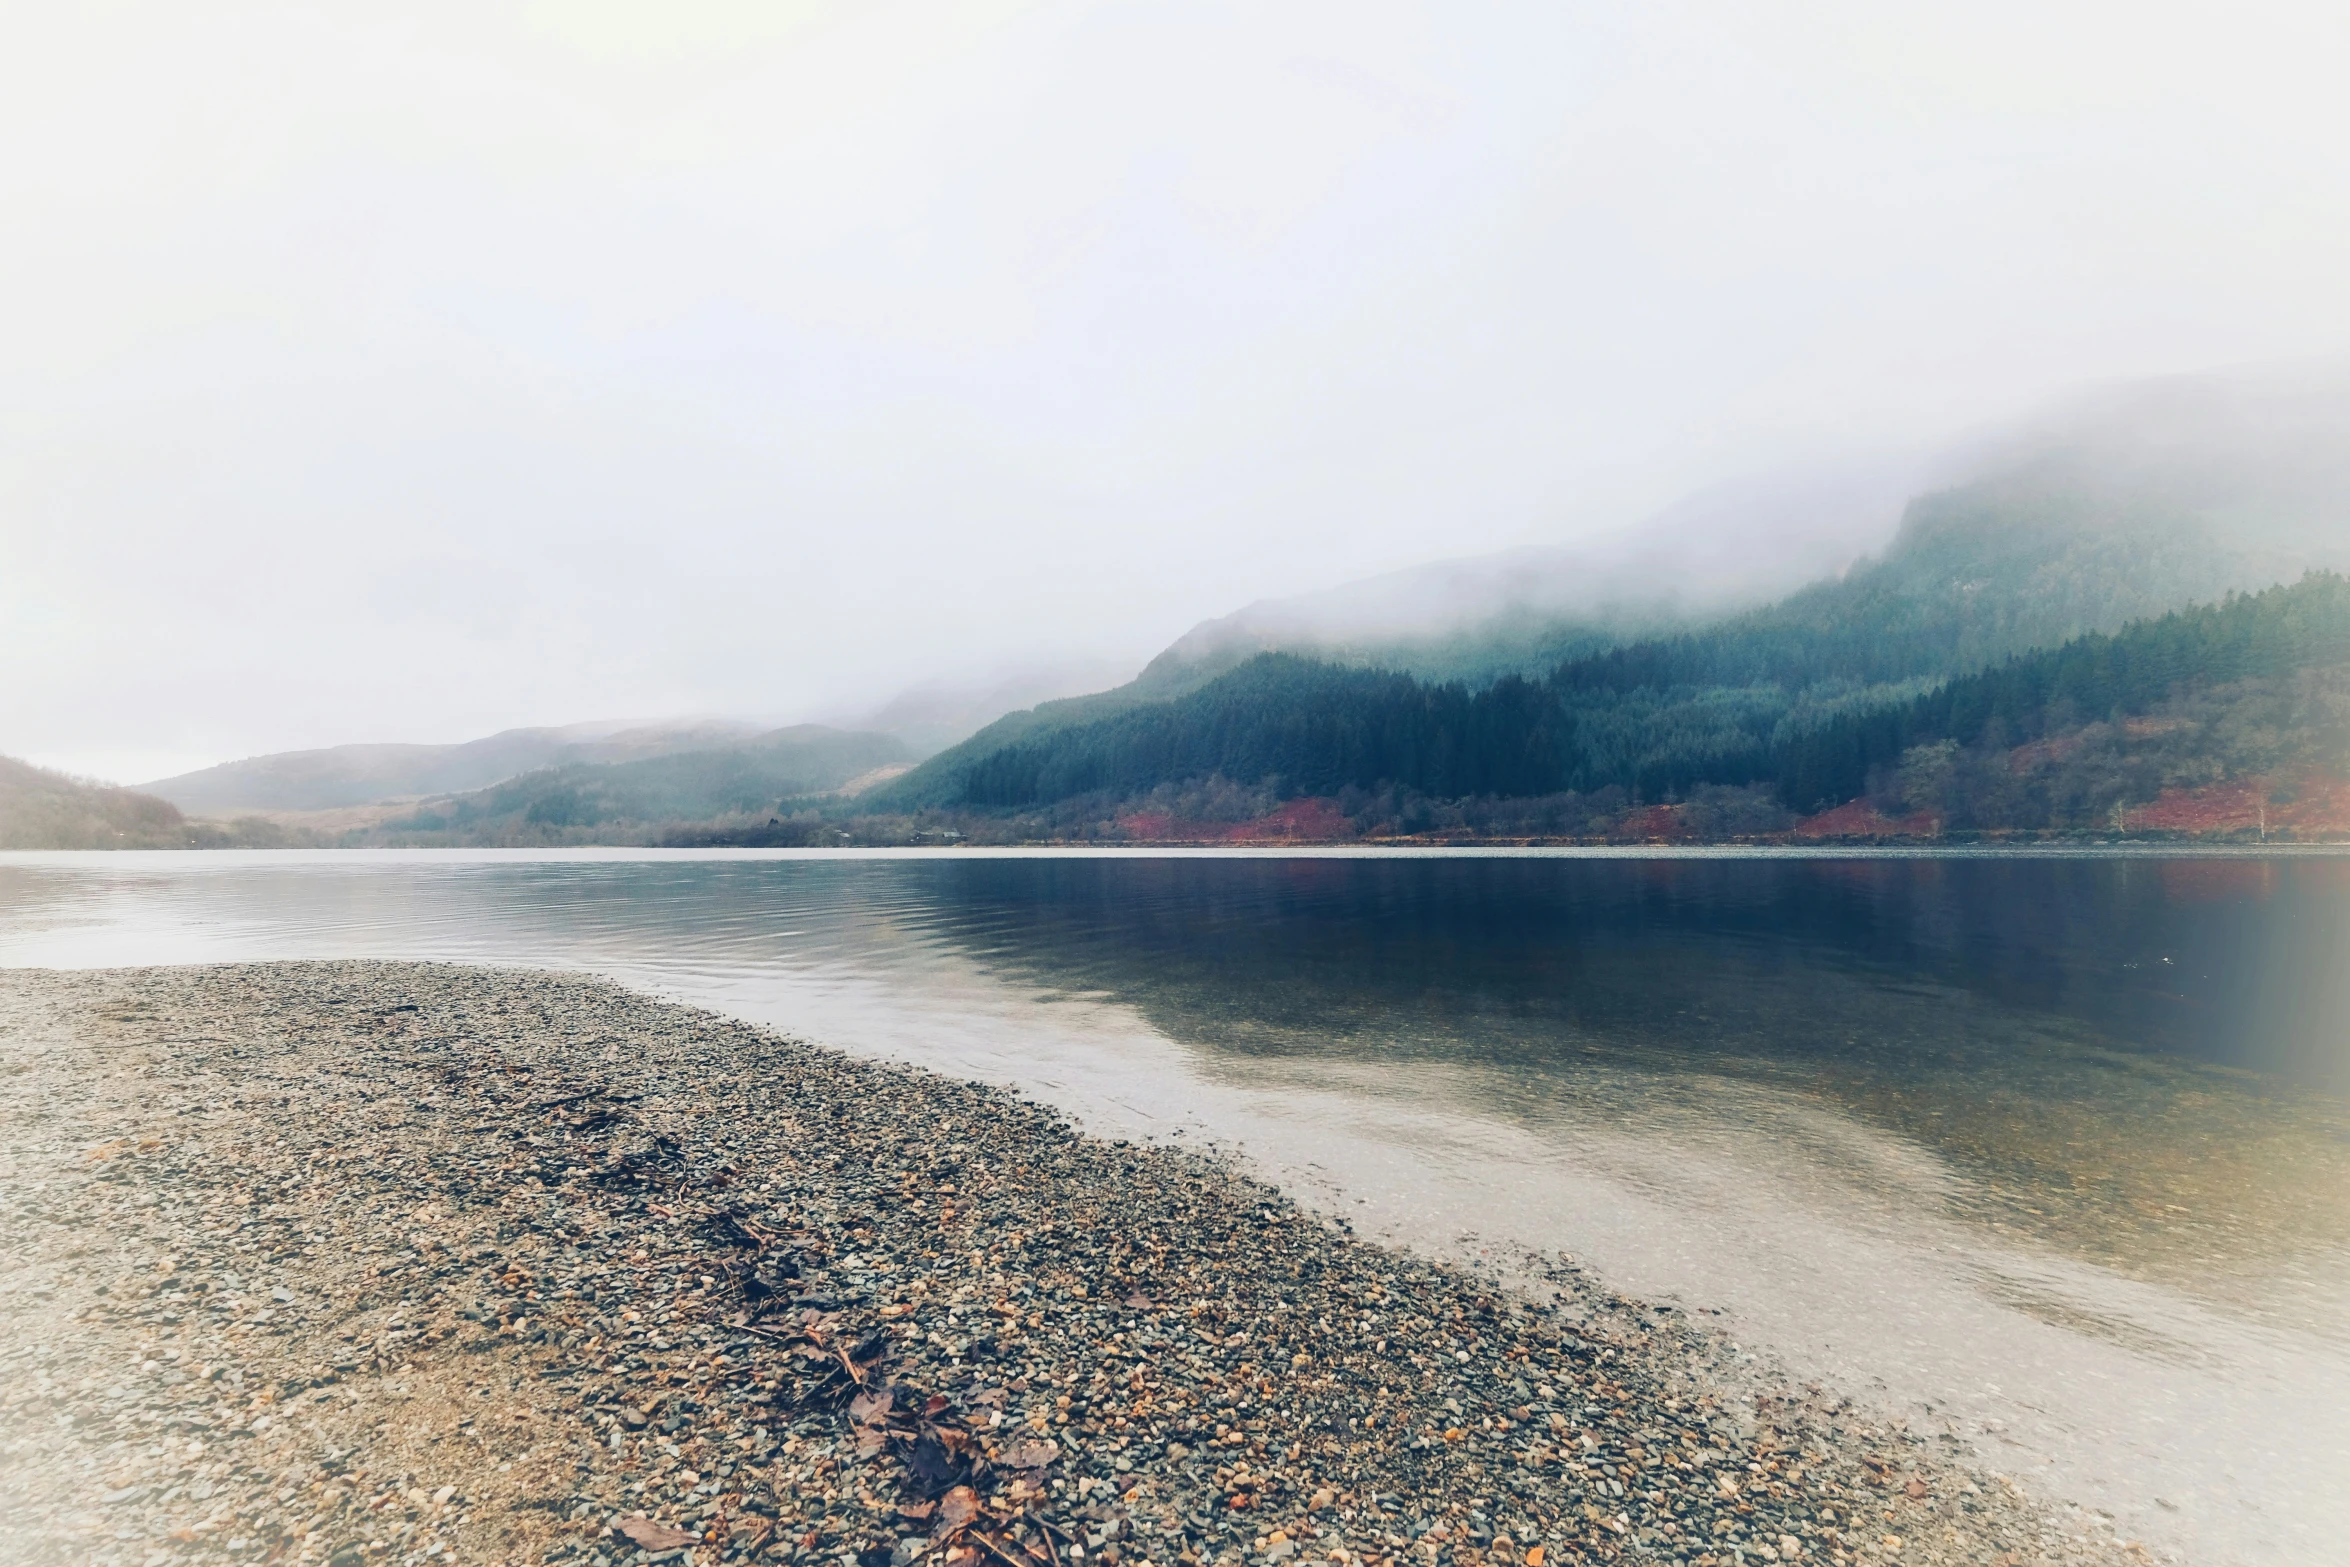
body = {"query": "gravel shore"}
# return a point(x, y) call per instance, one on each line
point(359, 1262)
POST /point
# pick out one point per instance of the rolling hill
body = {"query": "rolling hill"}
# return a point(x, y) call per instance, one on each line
point(650, 799)
point(40, 809)
point(348, 775)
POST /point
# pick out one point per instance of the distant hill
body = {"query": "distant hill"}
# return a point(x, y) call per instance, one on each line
point(347, 775)
point(648, 800)
point(40, 809)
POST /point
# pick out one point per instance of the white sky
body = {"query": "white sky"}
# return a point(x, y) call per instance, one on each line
point(409, 372)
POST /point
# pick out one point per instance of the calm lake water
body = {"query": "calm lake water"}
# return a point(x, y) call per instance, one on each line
point(2051, 1152)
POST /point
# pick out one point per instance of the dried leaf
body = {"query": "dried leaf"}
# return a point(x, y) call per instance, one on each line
point(1030, 1453)
point(870, 1409)
point(654, 1536)
point(957, 1508)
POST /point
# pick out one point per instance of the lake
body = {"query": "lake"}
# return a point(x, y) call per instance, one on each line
point(2048, 1151)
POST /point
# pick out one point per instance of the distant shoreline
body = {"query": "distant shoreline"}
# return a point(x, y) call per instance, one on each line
point(1829, 850)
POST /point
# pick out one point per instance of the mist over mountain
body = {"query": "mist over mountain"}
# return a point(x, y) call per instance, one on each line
point(2114, 509)
point(1729, 548)
point(2236, 481)
point(938, 713)
point(348, 775)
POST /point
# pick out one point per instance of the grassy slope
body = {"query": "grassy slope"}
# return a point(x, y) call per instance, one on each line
point(40, 809)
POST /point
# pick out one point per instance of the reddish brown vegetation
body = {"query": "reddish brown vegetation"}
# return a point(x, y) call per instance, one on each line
point(2306, 805)
point(1658, 824)
point(1860, 819)
point(1299, 821)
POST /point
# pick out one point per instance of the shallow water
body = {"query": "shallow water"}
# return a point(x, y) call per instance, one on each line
point(2050, 1151)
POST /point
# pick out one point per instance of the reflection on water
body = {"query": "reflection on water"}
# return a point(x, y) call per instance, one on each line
point(2052, 1151)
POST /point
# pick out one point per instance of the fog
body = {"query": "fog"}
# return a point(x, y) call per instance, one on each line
point(1724, 549)
point(415, 375)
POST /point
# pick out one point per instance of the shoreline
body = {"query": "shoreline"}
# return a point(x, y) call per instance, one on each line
point(356, 1261)
point(1943, 849)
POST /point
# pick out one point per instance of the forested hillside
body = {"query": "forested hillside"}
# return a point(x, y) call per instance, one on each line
point(2039, 739)
point(2253, 684)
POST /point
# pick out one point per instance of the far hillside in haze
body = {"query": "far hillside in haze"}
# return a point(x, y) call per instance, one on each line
point(347, 775)
point(741, 786)
point(40, 809)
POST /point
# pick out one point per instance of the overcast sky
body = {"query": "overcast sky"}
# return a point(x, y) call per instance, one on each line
point(408, 372)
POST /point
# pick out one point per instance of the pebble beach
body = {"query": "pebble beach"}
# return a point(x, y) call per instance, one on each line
point(373, 1262)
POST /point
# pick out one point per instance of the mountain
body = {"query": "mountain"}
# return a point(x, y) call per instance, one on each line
point(347, 775)
point(648, 799)
point(40, 809)
point(2231, 481)
point(2122, 508)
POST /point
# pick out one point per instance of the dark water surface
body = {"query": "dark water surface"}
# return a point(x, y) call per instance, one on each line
point(2052, 1152)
